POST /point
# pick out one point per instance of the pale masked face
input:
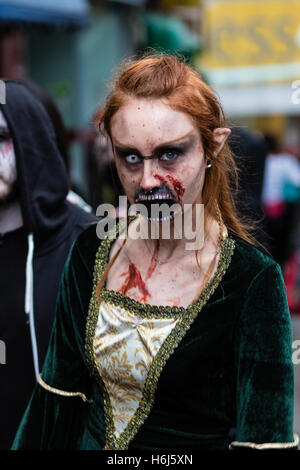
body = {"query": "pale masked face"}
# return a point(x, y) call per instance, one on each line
point(151, 128)
point(159, 153)
point(8, 172)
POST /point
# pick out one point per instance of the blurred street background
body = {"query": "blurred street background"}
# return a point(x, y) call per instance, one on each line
point(248, 51)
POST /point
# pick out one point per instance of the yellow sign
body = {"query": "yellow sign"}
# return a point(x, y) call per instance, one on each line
point(251, 33)
point(182, 3)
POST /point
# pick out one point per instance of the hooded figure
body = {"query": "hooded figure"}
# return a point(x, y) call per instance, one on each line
point(37, 228)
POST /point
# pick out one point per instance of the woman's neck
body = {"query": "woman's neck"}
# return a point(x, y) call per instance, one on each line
point(172, 248)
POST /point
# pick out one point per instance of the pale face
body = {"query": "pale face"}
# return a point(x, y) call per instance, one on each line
point(149, 127)
point(8, 172)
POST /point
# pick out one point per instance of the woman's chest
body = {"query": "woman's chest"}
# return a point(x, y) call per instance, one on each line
point(150, 282)
point(167, 273)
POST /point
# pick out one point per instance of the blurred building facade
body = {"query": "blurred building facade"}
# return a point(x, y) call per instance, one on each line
point(252, 59)
point(70, 48)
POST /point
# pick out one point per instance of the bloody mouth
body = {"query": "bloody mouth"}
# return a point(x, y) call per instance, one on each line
point(157, 203)
point(161, 196)
point(177, 185)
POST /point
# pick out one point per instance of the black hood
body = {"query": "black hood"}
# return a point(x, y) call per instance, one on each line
point(41, 172)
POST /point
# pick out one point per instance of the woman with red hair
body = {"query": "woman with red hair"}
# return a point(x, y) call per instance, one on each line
point(157, 346)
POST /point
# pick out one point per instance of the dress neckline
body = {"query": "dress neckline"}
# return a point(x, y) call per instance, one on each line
point(185, 317)
point(154, 310)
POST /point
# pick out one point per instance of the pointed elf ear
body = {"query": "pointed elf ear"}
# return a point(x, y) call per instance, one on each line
point(220, 136)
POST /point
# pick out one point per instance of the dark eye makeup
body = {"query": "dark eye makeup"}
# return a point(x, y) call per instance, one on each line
point(4, 134)
point(168, 153)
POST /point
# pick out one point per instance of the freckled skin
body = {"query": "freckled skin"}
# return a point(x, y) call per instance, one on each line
point(178, 187)
point(153, 262)
point(175, 301)
point(147, 279)
point(162, 124)
point(160, 178)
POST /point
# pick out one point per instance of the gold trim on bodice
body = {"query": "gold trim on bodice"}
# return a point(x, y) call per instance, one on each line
point(266, 445)
point(124, 347)
point(184, 319)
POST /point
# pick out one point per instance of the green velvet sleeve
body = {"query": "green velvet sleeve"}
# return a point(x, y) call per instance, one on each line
point(265, 380)
point(55, 414)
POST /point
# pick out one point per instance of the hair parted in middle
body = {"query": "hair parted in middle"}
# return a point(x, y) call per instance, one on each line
point(168, 77)
point(180, 86)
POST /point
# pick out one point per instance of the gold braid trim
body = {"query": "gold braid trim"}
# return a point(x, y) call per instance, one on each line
point(186, 316)
point(266, 445)
point(61, 392)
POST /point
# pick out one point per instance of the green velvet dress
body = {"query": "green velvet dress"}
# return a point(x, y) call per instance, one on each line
point(222, 379)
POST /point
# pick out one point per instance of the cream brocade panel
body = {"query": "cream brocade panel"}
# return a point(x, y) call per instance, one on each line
point(124, 348)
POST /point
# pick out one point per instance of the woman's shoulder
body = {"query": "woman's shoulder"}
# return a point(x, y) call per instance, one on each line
point(87, 241)
point(83, 251)
point(251, 258)
point(258, 280)
point(97, 236)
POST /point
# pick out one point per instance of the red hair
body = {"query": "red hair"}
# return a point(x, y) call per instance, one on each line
point(167, 77)
point(183, 89)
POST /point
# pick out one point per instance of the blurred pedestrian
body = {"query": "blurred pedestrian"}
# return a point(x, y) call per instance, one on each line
point(158, 345)
point(280, 193)
point(250, 152)
point(62, 139)
point(37, 228)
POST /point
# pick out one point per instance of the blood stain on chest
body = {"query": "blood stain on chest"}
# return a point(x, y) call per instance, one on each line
point(134, 280)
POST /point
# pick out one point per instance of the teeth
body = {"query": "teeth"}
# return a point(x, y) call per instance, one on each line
point(159, 197)
point(163, 219)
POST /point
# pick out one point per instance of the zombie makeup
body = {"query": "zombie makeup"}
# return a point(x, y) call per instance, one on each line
point(172, 190)
point(157, 202)
point(159, 157)
point(177, 185)
point(162, 202)
point(8, 172)
point(167, 154)
point(133, 280)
